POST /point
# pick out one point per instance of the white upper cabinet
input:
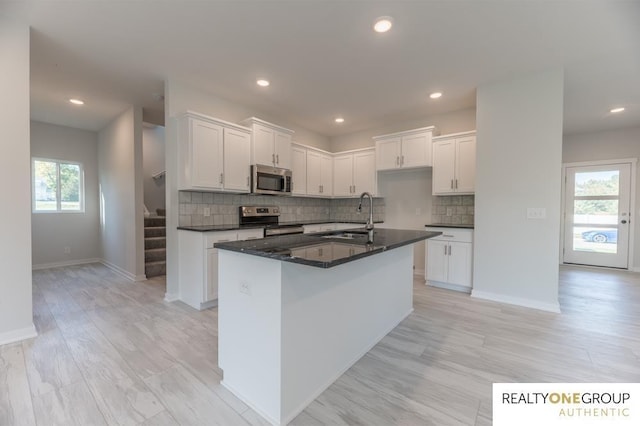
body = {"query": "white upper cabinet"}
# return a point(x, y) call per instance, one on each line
point(354, 173)
point(298, 170)
point(271, 144)
point(213, 155)
point(319, 173)
point(454, 164)
point(404, 150)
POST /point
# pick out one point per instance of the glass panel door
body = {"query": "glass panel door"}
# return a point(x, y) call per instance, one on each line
point(597, 215)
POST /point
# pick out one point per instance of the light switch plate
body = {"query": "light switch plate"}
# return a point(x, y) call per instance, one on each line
point(536, 213)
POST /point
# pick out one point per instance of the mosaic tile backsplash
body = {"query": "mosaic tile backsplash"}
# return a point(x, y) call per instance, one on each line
point(456, 209)
point(224, 208)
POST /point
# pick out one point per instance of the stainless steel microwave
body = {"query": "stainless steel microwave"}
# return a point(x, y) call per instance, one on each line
point(270, 180)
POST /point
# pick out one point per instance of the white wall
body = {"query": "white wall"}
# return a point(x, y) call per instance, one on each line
point(608, 145)
point(52, 232)
point(121, 194)
point(519, 159)
point(451, 122)
point(16, 314)
point(153, 162)
point(180, 97)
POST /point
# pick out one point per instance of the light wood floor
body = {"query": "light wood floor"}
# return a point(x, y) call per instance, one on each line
point(112, 352)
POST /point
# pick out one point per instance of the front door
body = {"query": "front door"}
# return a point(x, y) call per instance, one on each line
point(597, 209)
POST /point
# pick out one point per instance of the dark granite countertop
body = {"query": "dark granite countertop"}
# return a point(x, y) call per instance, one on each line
point(451, 225)
point(327, 249)
point(208, 228)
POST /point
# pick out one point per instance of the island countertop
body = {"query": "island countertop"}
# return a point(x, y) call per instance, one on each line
point(327, 249)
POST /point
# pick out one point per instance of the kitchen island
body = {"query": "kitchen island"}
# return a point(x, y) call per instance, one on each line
point(295, 312)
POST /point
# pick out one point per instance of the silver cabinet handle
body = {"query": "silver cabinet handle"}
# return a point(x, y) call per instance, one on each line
point(277, 158)
point(248, 178)
point(445, 250)
point(397, 160)
point(451, 183)
point(456, 183)
point(449, 250)
point(402, 160)
point(273, 158)
point(221, 178)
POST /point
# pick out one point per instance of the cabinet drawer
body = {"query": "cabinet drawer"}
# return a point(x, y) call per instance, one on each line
point(250, 234)
point(452, 234)
point(217, 237)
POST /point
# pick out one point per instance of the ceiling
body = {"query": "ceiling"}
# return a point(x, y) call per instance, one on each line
point(324, 60)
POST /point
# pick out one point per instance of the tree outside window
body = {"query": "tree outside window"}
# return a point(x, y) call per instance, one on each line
point(57, 186)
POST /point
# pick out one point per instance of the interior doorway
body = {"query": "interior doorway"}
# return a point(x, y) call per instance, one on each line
point(597, 213)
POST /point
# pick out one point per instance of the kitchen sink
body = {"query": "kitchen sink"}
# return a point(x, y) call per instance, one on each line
point(348, 235)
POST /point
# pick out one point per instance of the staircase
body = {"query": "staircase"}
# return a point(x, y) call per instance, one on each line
point(155, 243)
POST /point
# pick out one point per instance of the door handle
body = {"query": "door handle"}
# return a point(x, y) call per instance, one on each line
point(623, 221)
point(451, 183)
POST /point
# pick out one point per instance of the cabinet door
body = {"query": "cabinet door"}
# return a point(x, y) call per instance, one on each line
point(206, 155)
point(465, 165)
point(460, 264)
point(299, 170)
point(364, 172)
point(343, 175)
point(283, 150)
point(437, 260)
point(327, 176)
point(388, 154)
point(314, 172)
point(211, 289)
point(416, 150)
point(263, 141)
point(237, 156)
point(444, 154)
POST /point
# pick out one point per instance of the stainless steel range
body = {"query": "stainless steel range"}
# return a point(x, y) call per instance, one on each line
point(269, 217)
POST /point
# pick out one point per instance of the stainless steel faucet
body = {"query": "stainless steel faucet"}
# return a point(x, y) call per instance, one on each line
point(369, 225)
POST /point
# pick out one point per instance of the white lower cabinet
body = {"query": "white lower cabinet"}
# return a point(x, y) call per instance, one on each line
point(449, 259)
point(198, 270)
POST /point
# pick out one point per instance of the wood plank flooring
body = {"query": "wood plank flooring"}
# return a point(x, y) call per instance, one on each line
point(111, 352)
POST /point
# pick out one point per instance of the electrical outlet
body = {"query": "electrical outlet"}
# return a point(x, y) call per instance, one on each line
point(536, 213)
point(207, 212)
point(245, 288)
point(67, 250)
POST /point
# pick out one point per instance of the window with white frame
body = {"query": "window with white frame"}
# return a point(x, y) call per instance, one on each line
point(57, 186)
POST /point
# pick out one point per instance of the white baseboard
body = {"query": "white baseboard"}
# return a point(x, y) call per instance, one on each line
point(448, 286)
point(126, 274)
point(418, 272)
point(65, 263)
point(635, 269)
point(18, 335)
point(171, 297)
point(527, 303)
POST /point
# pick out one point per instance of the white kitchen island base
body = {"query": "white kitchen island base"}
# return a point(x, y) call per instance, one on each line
point(287, 331)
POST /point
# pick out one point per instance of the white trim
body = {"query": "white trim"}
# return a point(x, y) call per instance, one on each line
point(418, 273)
point(126, 274)
point(171, 297)
point(632, 203)
point(18, 335)
point(453, 135)
point(527, 303)
point(65, 263)
point(406, 132)
point(449, 286)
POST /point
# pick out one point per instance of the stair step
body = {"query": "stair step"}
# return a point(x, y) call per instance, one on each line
point(155, 269)
point(153, 255)
point(155, 221)
point(155, 242)
point(154, 231)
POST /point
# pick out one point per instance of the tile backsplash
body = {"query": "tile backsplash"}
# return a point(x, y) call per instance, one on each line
point(455, 209)
point(223, 208)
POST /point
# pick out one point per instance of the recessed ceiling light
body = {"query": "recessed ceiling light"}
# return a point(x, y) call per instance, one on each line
point(435, 95)
point(262, 83)
point(76, 101)
point(339, 120)
point(383, 24)
point(614, 110)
